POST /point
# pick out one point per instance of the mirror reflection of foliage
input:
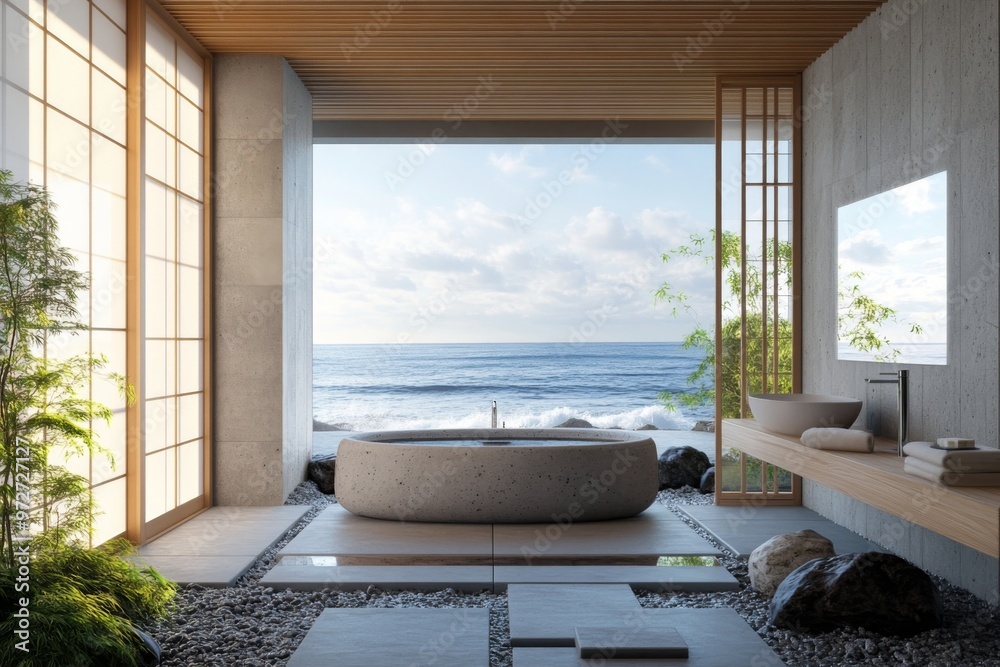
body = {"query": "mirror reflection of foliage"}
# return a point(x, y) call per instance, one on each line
point(860, 319)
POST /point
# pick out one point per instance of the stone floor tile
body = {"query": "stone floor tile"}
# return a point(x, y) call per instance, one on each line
point(636, 541)
point(387, 577)
point(548, 614)
point(638, 577)
point(715, 638)
point(396, 638)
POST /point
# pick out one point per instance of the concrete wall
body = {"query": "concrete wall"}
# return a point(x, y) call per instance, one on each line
point(262, 255)
point(297, 303)
point(911, 92)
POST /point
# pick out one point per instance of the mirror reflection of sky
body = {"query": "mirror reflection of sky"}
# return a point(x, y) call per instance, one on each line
point(507, 243)
point(899, 240)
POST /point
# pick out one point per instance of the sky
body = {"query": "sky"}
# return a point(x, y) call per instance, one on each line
point(899, 240)
point(482, 243)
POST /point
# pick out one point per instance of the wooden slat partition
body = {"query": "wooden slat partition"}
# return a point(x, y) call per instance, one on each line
point(970, 516)
point(549, 59)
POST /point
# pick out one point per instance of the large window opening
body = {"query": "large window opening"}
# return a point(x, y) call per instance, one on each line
point(450, 276)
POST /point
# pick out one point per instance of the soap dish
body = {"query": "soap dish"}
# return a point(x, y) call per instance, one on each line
point(955, 449)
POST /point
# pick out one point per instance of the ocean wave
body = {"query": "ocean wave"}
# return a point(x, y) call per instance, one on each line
point(656, 415)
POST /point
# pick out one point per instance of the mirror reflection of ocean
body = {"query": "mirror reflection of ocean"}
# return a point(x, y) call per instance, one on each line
point(611, 385)
point(915, 353)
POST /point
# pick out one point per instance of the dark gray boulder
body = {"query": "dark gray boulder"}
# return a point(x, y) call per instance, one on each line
point(705, 425)
point(708, 481)
point(682, 466)
point(877, 591)
point(322, 470)
point(573, 422)
point(323, 426)
point(648, 427)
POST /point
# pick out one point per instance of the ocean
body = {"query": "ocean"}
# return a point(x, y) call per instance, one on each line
point(611, 385)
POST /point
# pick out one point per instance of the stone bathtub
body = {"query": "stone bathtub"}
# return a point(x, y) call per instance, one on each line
point(497, 475)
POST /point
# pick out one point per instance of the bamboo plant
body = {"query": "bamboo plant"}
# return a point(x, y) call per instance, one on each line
point(82, 603)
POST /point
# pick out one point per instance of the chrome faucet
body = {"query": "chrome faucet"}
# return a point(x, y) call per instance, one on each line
point(493, 421)
point(902, 383)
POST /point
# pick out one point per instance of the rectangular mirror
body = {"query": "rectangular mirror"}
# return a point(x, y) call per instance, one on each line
point(892, 280)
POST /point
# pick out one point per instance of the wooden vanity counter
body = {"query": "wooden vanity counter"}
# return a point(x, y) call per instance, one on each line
point(970, 516)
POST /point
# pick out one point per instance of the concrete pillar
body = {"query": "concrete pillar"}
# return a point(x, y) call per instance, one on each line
point(262, 325)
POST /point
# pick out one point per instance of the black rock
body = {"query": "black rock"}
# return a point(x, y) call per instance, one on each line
point(322, 470)
point(323, 426)
point(706, 425)
point(648, 427)
point(877, 591)
point(682, 466)
point(573, 422)
point(708, 481)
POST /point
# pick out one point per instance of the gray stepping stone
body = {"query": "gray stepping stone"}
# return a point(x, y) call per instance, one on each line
point(639, 540)
point(208, 571)
point(396, 638)
point(548, 614)
point(743, 529)
point(357, 540)
point(305, 577)
point(623, 641)
point(747, 512)
point(216, 547)
point(692, 579)
point(715, 638)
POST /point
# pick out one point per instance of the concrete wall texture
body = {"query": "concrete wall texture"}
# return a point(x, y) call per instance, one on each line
point(262, 191)
point(910, 92)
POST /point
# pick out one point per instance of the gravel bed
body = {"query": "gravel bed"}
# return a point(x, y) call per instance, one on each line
point(252, 626)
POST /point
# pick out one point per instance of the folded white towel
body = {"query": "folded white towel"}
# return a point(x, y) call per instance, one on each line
point(839, 439)
point(936, 473)
point(985, 459)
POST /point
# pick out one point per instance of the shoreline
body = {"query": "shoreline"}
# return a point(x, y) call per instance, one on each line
point(705, 425)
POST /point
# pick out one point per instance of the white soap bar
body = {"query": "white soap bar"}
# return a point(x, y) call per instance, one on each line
point(956, 443)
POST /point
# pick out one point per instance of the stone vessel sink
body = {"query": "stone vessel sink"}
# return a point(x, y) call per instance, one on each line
point(791, 414)
point(497, 475)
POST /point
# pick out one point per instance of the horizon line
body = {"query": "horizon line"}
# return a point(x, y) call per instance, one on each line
point(538, 342)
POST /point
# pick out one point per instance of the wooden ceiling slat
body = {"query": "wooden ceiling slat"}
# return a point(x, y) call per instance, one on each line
point(549, 59)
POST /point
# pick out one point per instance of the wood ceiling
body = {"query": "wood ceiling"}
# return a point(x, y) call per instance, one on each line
point(521, 59)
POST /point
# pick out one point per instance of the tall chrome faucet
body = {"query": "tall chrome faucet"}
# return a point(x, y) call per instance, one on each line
point(493, 421)
point(902, 383)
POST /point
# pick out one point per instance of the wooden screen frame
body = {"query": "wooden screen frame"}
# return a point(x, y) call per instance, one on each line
point(139, 531)
point(743, 83)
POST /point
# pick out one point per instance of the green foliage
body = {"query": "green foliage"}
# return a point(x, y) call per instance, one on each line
point(42, 404)
point(702, 379)
point(82, 603)
point(860, 320)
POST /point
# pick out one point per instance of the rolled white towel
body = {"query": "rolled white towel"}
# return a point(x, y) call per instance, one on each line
point(839, 439)
point(935, 473)
point(985, 459)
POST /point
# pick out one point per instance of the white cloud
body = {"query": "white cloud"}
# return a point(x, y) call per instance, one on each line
point(918, 246)
point(385, 262)
point(916, 197)
point(865, 248)
point(388, 280)
point(657, 163)
point(580, 173)
point(511, 164)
